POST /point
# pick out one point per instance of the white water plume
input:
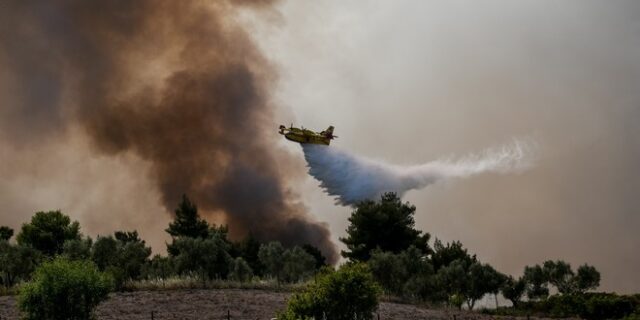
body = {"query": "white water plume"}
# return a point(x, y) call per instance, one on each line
point(352, 178)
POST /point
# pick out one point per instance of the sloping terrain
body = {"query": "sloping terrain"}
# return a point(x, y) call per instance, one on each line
point(214, 304)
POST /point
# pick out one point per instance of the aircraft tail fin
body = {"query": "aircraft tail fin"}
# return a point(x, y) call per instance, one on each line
point(328, 133)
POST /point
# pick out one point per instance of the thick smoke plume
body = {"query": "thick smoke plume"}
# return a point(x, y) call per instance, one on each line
point(351, 178)
point(177, 83)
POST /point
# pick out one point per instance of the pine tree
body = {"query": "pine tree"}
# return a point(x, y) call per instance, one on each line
point(387, 224)
point(187, 222)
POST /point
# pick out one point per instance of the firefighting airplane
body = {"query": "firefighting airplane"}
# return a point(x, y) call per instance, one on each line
point(302, 135)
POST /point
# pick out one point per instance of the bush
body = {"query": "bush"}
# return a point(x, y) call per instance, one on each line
point(64, 289)
point(608, 306)
point(348, 294)
point(585, 306)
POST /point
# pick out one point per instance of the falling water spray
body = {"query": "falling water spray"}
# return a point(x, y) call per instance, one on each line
point(351, 178)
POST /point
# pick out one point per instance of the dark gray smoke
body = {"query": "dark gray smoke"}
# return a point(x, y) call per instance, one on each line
point(177, 83)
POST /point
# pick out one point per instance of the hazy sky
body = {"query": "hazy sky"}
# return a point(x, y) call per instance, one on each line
point(412, 81)
point(409, 82)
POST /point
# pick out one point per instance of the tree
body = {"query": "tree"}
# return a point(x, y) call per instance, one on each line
point(496, 281)
point(350, 293)
point(297, 265)
point(536, 281)
point(187, 222)
point(132, 255)
point(588, 278)
point(423, 286)
point(5, 233)
point(321, 260)
point(104, 252)
point(387, 224)
point(248, 249)
point(17, 262)
point(513, 290)
point(454, 280)
point(123, 257)
point(64, 289)
point(443, 255)
point(77, 249)
point(207, 257)
point(560, 275)
point(127, 236)
point(418, 276)
point(483, 279)
point(388, 270)
point(240, 270)
point(48, 231)
point(159, 268)
point(414, 261)
point(407, 274)
point(270, 256)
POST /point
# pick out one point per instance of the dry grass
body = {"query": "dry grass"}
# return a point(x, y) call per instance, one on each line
point(190, 282)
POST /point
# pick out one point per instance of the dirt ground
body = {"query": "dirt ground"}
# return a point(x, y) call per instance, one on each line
point(214, 304)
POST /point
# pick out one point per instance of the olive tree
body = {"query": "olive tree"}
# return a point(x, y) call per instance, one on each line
point(123, 256)
point(388, 270)
point(207, 257)
point(240, 270)
point(587, 278)
point(297, 265)
point(270, 256)
point(560, 275)
point(513, 290)
point(17, 262)
point(77, 249)
point(536, 281)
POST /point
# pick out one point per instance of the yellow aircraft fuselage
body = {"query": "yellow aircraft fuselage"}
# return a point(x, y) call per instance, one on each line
point(302, 135)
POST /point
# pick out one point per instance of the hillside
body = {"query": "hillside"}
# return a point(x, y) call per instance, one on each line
point(213, 304)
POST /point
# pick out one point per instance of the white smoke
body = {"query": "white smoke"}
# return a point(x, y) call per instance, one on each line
point(351, 178)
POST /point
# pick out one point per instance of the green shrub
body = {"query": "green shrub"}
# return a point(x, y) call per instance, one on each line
point(64, 289)
point(608, 306)
point(350, 293)
point(563, 306)
point(159, 268)
point(583, 305)
point(633, 316)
